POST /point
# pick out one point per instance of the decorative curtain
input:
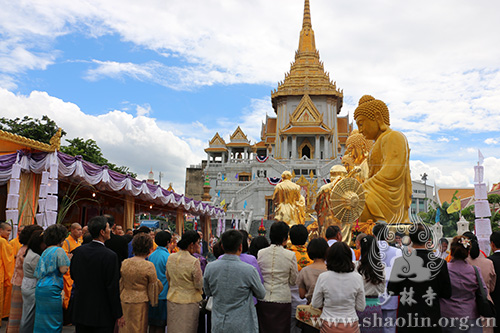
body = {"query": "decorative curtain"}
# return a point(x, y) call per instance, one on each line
point(61, 165)
point(129, 212)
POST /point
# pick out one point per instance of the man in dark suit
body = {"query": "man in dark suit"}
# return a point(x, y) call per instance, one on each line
point(420, 279)
point(116, 243)
point(94, 269)
point(495, 257)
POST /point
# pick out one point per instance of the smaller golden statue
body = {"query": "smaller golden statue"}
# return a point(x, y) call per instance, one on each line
point(322, 207)
point(289, 203)
point(355, 159)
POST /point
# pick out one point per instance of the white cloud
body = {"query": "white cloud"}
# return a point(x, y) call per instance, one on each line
point(491, 141)
point(136, 142)
point(143, 110)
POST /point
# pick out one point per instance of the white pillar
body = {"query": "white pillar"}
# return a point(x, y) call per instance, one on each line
point(294, 147)
point(284, 147)
point(208, 159)
point(316, 148)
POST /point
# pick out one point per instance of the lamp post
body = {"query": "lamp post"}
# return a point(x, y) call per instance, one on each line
point(424, 179)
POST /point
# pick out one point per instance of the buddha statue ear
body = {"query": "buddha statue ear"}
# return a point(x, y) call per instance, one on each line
point(380, 121)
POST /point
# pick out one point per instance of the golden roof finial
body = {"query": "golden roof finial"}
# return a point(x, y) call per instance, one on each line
point(307, 16)
point(306, 42)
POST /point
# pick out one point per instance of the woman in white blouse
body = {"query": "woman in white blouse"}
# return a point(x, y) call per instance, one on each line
point(279, 270)
point(339, 291)
point(372, 270)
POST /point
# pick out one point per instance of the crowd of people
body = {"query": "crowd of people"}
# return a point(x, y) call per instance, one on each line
point(102, 281)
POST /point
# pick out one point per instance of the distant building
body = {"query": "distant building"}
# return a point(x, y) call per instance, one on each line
point(306, 137)
point(422, 195)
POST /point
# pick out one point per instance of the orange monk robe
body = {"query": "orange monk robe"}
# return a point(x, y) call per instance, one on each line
point(6, 271)
point(69, 245)
point(15, 245)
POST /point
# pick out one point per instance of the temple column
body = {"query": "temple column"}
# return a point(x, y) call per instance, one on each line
point(294, 146)
point(327, 148)
point(229, 151)
point(284, 145)
point(208, 159)
point(316, 148)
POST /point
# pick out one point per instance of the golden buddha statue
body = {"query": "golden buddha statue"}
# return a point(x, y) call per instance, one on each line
point(355, 159)
point(388, 187)
point(289, 203)
point(322, 207)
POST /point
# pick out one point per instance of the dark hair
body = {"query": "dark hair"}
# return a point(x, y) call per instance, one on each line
point(444, 240)
point(217, 249)
point(495, 238)
point(87, 239)
point(332, 231)
point(142, 244)
point(317, 248)
point(399, 234)
point(96, 224)
point(189, 237)
point(55, 234)
point(298, 234)
point(35, 242)
point(457, 249)
point(4, 225)
point(244, 249)
point(279, 232)
point(231, 240)
point(111, 219)
point(474, 245)
point(143, 229)
point(25, 235)
point(419, 234)
point(380, 231)
point(257, 244)
point(370, 265)
point(339, 258)
point(162, 238)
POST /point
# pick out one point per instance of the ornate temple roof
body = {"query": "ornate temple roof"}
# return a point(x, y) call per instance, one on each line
point(307, 74)
point(217, 144)
point(238, 139)
point(12, 142)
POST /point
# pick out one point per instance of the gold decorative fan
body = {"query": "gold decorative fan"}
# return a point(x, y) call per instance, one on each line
point(347, 200)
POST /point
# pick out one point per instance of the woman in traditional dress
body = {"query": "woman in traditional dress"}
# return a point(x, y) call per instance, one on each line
point(16, 303)
point(306, 280)
point(28, 286)
point(371, 269)
point(464, 284)
point(139, 285)
point(476, 258)
point(185, 283)
point(339, 291)
point(279, 269)
point(50, 270)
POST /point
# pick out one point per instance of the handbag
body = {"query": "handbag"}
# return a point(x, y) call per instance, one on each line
point(308, 315)
point(484, 306)
point(209, 304)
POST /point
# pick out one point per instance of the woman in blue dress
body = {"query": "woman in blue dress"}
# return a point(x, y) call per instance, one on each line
point(50, 270)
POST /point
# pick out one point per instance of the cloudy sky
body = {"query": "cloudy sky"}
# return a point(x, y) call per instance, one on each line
point(153, 80)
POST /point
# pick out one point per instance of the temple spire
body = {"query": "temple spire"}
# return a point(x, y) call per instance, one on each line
point(306, 22)
point(306, 42)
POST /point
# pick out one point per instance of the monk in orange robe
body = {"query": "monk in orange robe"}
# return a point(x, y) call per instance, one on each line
point(6, 269)
point(73, 241)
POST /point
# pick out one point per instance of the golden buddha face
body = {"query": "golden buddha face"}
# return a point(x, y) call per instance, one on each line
point(368, 127)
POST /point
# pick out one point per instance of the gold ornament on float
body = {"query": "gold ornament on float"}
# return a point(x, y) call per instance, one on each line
point(347, 200)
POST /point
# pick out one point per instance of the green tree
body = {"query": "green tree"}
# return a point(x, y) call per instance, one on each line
point(91, 152)
point(37, 129)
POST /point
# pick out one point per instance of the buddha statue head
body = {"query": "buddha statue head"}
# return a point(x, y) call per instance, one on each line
point(286, 175)
point(338, 170)
point(357, 145)
point(372, 117)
